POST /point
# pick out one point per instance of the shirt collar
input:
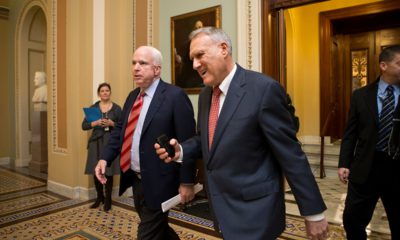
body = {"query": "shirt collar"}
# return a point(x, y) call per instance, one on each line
point(152, 88)
point(224, 86)
point(382, 85)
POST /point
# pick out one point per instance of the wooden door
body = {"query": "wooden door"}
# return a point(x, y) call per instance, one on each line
point(357, 62)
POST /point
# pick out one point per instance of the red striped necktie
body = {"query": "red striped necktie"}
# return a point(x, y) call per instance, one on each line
point(214, 112)
point(125, 158)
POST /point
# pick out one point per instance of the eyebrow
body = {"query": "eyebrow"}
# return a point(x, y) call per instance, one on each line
point(196, 54)
point(141, 62)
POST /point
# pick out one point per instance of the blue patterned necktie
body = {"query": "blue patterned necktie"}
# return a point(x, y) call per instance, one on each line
point(386, 120)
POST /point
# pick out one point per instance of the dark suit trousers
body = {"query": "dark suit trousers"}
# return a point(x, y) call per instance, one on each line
point(383, 182)
point(153, 223)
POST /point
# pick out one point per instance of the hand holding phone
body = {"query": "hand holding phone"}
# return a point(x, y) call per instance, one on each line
point(163, 141)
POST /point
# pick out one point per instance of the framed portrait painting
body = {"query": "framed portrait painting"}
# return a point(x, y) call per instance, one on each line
point(183, 74)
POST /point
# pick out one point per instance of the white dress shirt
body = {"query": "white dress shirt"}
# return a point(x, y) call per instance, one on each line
point(224, 87)
point(135, 156)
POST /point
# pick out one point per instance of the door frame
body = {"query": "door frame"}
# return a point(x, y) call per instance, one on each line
point(326, 22)
point(273, 35)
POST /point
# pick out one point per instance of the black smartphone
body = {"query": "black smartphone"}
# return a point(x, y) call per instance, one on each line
point(163, 141)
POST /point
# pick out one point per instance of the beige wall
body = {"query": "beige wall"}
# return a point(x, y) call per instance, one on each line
point(66, 168)
point(119, 48)
point(5, 136)
point(303, 60)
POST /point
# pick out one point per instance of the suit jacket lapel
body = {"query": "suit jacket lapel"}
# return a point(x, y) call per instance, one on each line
point(205, 112)
point(370, 98)
point(155, 104)
point(232, 100)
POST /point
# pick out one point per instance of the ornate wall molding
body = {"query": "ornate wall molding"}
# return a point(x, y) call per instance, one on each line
point(150, 22)
point(249, 34)
point(53, 47)
point(134, 25)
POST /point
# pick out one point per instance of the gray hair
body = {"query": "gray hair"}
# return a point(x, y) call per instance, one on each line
point(216, 34)
point(156, 55)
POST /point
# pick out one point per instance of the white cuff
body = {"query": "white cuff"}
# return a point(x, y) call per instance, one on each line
point(315, 218)
point(180, 159)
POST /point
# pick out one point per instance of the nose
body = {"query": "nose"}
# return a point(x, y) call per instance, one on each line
point(196, 64)
point(136, 66)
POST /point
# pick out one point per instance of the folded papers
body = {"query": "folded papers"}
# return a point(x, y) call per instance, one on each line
point(172, 202)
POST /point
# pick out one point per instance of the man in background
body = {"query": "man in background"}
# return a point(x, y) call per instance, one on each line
point(364, 162)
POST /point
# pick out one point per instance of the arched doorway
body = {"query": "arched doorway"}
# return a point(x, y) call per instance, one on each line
point(30, 56)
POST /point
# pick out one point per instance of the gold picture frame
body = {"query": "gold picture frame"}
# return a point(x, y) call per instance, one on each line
point(182, 71)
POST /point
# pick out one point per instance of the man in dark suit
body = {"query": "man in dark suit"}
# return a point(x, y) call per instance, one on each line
point(247, 141)
point(152, 109)
point(364, 161)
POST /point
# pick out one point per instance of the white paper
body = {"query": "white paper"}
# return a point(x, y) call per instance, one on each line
point(172, 202)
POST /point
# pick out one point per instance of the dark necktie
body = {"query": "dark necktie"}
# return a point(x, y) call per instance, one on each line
point(386, 120)
point(214, 112)
point(125, 158)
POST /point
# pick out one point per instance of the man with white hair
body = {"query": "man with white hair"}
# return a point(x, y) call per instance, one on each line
point(152, 109)
point(247, 141)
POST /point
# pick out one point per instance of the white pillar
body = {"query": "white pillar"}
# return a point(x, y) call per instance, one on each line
point(98, 45)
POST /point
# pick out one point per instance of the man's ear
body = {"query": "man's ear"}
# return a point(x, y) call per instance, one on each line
point(157, 70)
point(382, 66)
point(224, 48)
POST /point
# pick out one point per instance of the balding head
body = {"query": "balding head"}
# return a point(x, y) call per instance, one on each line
point(153, 52)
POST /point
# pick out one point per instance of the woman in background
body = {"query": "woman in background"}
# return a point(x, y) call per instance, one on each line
point(102, 127)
